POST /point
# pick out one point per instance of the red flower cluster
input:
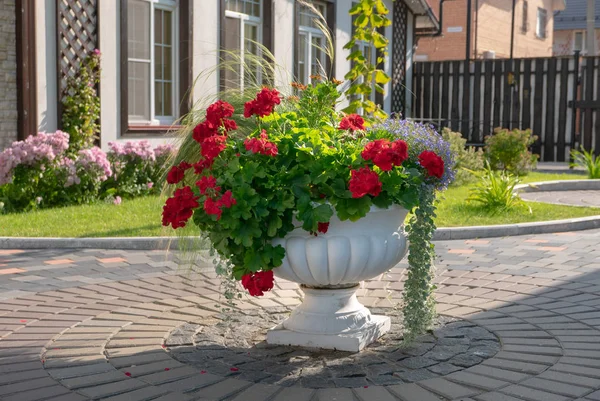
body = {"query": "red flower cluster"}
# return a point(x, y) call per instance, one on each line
point(432, 163)
point(386, 154)
point(213, 146)
point(207, 182)
point(211, 134)
point(258, 283)
point(202, 165)
point(179, 208)
point(363, 182)
point(263, 104)
point(352, 122)
point(262, 145)
point(176, 173)
point(217, 116)
point(215, 206)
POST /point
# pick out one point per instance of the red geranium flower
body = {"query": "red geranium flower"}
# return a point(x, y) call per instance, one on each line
point(179, 208)
point(373, 148)
point(386, 154)
point(227, 200)
point(177, 173)
point(432, 163)
point(212, 207)
point(207, 182)
point(213, 146)
point(258, 283)
point(261, 145)
point(219, 110)
point(323, 227)
point(352, 122)
point(363, 182)
point(263, 104)
point(204, 130)
point(202, 165)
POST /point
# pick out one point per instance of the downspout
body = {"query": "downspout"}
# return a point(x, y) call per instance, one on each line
point(440, 30)
point(476, 13)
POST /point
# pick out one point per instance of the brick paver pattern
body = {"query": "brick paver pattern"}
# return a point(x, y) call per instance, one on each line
point(92, 324)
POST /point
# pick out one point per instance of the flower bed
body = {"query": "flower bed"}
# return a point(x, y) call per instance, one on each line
point(40, 172)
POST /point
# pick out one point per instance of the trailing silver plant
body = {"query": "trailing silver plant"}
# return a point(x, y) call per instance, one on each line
point(419, 304)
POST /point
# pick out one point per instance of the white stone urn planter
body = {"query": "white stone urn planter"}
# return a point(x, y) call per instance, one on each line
point(329, 268)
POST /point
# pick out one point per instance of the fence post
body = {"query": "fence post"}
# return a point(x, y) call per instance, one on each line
point(573, 108)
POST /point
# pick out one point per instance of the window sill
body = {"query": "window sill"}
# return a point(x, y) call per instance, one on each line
point(153, 130)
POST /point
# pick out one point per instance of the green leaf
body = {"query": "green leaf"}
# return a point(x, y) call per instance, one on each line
point(381, 77)
point(253, 260)
point(275, 223)
point(273, 255)
point(245, 233)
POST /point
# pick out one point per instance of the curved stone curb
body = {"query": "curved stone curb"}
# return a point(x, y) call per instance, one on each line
point(505, 230)
point(441, 234)
point(561, 185)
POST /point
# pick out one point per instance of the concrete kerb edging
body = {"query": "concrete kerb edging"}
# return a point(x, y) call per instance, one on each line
point(160, 243)
point(450, 233)
point(561, 185)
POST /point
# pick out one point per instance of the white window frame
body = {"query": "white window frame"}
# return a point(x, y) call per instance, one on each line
point(246, 19)
point(541, 31)
point(311, 32)
point(583, 49)
point(172, 6)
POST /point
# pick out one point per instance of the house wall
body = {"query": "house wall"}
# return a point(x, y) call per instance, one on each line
point(8, 74)
point(563, 41)
point(452, 44)
point(498, 14)
point(205, 59)
point(491, 30)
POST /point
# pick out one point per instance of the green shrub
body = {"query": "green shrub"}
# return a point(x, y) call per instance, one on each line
point(587, 160)
point(495, 190)
point(468, 159)
point(509, 150)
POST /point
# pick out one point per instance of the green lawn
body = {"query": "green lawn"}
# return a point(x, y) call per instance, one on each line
point(141, 217)
point(132, 218)
point(454, 211)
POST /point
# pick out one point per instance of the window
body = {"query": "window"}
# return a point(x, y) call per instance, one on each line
point(542, 20)
point(151, 68)
point(243, 30)
point(311, 55)
point(525, 22)
point(579, 41)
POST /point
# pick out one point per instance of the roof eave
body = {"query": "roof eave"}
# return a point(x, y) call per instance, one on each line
point(559, 5)
point(426, 20)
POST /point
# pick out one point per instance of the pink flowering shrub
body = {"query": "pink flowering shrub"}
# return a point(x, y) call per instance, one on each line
point(137, 168)
point(38, 172)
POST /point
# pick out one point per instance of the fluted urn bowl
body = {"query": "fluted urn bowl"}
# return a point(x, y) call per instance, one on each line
point(329, 268)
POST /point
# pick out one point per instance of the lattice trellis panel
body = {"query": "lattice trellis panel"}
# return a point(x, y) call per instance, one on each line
point(77, 26)
point(399, 46)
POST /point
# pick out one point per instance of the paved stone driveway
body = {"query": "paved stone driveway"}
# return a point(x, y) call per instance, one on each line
point(589, 198)
point(79, 325)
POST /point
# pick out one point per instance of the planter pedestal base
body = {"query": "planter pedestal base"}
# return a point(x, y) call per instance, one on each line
point(330, 318)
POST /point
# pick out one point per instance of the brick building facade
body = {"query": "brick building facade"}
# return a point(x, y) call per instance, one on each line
point(491, 30)
point(8, 74)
